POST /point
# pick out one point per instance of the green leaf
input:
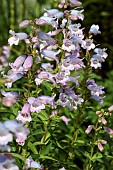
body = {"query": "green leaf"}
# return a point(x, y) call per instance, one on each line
point(43, 116)
point(79, 143)
point(37, 132)
point(97, 156)
point(69, 137)
point(16, 155)
point(87, 154)
point(13, 89)
point(46, 139)
point(47, 157)
point(70, 164)
point(46, 149)
point(48, 85)
point(15, 110)
point(58, 144)
point(38, 143)
point(32, 147)
point(35, 156)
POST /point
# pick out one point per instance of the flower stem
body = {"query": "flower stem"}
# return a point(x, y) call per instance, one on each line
point(93, 145)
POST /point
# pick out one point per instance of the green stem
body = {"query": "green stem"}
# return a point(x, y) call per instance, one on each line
point(29, 83)
point(93, 145)
point(45, 134)
point(75, 136)
point(24, 155)
point(12, 12)
point(47, 128)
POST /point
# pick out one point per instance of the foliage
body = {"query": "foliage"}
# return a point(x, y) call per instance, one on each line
point(52, 113)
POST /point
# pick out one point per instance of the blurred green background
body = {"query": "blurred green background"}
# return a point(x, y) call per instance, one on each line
point(99, 12)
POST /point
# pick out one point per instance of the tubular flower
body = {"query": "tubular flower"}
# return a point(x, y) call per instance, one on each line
point(16, 37)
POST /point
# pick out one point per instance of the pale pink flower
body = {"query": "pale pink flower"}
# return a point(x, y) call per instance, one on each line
point(13, 78)
point(101, 52)
point(47, 99)
point(18, 129)
point(103, 120)
point(51, 12)
point(62, 168)
point(88, 130)
point(67, 45)
point(67, 65)
point(55, 112)
point(96, 61)
point(88, 44)
point(21, 135)
point(24, 24)
point(5, 135)
point(65, 119)
point(18, 62)
point(75, 3)
point(63, 100)
point(75, 15)
point(24, 115)
point(47, 66)
point(108, 130)
point(100, 147)
point(40, 21)
point(36, 105)
point(30, 163)
point(10, 98)
point(44, 37)
point(51, 55)
point(16, 37)
point(104, 142)
point(62, 78)
point(5, 148)
point(94, 29)
point(6, 163)
point(43, 75)
point(28, 63)
point(110, 108)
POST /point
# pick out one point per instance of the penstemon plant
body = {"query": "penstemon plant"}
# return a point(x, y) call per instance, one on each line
point(51, 93)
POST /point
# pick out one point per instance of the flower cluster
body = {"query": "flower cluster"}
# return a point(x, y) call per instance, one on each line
point(4, 56)
point(59, 62)
point(62, 60)
point(20, 66)
point(6, 162)
point(8, 130)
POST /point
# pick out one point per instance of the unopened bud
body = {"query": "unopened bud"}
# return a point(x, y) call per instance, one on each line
point(103, 121)
point(24, 24)
point(100, 147)
point(28, 63)
point(61, 5)
point(88, 130)
point(98, 112)
point(104, 142)
point(110, 108)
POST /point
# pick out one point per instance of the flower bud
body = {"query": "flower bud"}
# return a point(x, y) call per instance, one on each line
point(103, 121)
point(110, 108)
point(26, 108)
point(19, 61)
point(65, 119)
point(28, 63)
point(61, 5)
point(88, 130)
point(24, 24)
point(100, 147)
point(104, 142)
point(108, 130)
